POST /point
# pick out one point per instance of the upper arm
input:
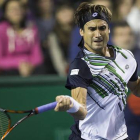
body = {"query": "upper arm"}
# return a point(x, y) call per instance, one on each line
point(79, 94)
point(79, 75)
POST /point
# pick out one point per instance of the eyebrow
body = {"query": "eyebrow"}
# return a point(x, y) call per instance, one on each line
point(96, 26)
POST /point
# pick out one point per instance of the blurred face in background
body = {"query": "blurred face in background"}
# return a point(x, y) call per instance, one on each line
point(123, 37)
point(14, 12)
point(45, 6)
point(64, 16)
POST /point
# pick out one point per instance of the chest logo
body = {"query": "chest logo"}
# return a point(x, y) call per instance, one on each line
point(127, 67)
point(105, 71)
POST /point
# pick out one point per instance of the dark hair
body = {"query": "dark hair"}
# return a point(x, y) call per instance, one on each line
point(86, 9)
point(3, 18)
point(119, 24)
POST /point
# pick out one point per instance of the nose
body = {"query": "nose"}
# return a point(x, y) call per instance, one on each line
point(97, 33)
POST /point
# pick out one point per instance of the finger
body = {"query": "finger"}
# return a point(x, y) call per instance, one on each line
point(57, 107)
point(71, 104)
point(67, 103)
point(64, 103)
point(58, 98)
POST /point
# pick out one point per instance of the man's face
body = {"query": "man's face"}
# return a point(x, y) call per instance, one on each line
point(124, 37)
point(95, 35)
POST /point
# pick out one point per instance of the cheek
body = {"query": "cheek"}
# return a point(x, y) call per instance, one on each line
point(88, 37)
point(106, 37)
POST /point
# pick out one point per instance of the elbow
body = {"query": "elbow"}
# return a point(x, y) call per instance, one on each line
point(82, 116)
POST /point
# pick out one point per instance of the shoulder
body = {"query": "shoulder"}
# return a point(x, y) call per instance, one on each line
point(4, 25)
point(79, 66)
point(78, 62)
point(124, 52)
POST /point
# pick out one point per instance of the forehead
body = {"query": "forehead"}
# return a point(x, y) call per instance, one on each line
point(122, 29)
point(12, 4)
point(96, 22)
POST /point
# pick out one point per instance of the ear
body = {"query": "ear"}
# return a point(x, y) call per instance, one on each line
point(81, 32)
point(109, 31)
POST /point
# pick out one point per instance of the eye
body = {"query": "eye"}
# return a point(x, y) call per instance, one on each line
point(102, 28)
point(92, 28)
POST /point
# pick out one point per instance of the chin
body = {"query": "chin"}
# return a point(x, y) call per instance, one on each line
point(97, 47)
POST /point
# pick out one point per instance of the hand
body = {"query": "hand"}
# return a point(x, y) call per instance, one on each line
point(25, 69)
point(63, 103)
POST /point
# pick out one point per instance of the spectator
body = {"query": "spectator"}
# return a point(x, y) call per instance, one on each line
point(59, 39)
point(44, 17)
point(19, 43)
point(123, 36)
point(129, 10)
point(122, 9)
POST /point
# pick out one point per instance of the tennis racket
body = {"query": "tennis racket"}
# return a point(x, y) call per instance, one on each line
point(5, 120)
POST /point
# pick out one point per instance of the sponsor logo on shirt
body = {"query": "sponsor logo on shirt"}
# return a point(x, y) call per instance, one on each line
point(74, 72)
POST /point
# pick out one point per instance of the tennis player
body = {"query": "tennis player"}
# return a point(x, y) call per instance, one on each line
point(98, 79)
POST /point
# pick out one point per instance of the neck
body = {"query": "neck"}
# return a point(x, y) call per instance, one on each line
point(17, 28)
point(103, 52)
point(46, 15)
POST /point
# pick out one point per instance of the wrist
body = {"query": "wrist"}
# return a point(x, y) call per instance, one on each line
point(75, 106)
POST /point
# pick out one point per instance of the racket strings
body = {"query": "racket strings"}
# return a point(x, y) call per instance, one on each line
point(4, 123)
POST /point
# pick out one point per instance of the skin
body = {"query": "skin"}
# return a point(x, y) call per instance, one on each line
point(96, 35)
point(124, 37)
point(79, 94)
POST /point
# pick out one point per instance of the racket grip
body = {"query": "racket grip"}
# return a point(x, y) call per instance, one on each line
point(46, 107)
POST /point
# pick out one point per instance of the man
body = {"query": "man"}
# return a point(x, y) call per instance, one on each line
point(123, 36)
point(98, 79)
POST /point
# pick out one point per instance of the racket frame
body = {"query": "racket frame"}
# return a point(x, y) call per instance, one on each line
point(10, 128)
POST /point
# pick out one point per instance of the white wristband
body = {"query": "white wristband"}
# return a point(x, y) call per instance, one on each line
point(75, 107)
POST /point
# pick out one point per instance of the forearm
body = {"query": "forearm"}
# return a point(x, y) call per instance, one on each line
point(135, 87)
point(79, 94)
point(136, 90)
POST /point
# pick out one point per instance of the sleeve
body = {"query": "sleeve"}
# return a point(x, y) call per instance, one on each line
point(134, 77)
point(36, 57)
point(79, 75)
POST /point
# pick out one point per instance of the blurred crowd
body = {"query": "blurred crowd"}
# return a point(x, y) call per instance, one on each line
point(40, 37)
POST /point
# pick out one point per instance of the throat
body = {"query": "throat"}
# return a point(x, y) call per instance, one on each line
point(109, 52)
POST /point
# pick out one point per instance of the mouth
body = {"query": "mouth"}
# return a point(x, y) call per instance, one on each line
point(97, 41)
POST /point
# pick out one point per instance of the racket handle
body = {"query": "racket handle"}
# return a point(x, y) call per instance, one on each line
point(46, 107)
